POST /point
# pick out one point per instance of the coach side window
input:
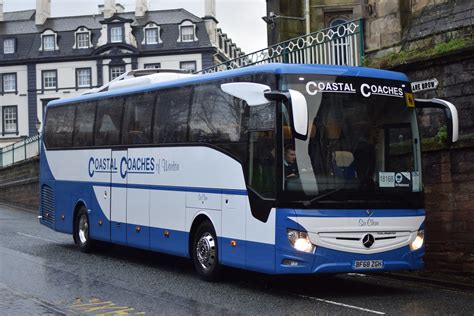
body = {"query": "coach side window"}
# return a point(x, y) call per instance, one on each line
point(108, 122)
point(215, 116)
point(84, 125)
point(171, 115)
point(137, 121)
point(59, 126)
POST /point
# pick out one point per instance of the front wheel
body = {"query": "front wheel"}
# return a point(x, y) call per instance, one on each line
point(205, 252)
point(81, 231)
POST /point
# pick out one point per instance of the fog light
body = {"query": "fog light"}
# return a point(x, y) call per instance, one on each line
point(291, 263)
point(418, 242)
point(300, 241)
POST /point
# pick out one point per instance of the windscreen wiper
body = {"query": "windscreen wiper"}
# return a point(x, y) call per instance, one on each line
point(320, 197)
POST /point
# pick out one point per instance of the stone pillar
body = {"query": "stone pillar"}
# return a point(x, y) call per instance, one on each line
point(383, 29)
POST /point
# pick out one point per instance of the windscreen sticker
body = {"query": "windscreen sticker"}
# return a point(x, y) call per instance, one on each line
point(395, 179)
point(402, 179)
point(387, 179)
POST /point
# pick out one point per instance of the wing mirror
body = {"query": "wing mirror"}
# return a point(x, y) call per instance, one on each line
point(450, 112)
point(258, 94)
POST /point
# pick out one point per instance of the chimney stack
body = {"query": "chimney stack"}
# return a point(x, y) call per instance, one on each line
point(109, 8)
point(210, 8)
point(43, 11)
point(210, 21)
point(141, 7)
point(1, 10)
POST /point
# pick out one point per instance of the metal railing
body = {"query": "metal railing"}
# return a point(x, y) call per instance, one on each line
point(338, 45)
point(20, 151)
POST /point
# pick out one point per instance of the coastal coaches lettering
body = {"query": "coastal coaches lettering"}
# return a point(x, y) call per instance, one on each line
point(281, 169)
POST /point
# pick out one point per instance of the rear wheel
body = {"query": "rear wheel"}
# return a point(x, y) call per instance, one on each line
point(205, 252)
point(81, 231)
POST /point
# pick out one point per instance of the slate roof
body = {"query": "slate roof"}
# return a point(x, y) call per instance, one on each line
point(23, 22)
point(21, 25)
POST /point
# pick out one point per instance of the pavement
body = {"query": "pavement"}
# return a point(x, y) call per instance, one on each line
point(13, 303)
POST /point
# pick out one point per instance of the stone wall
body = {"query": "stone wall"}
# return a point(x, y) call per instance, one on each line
point(449, 196)
point(448, 172)
point(19, 184)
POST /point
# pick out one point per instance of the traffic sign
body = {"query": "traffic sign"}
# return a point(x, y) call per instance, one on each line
point(425, 85)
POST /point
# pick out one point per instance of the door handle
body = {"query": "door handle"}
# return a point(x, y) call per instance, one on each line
point(105, 194)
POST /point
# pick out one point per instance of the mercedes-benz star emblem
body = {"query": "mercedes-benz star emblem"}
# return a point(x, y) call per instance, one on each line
point(368, 240)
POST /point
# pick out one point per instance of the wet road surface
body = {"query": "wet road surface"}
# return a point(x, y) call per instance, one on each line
point(42, 273)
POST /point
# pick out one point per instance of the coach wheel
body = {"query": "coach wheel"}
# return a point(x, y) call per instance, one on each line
point(81, 231)
point(205, 252)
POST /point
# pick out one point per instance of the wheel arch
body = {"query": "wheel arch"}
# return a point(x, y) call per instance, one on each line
point(198, 220)
point(79, 204)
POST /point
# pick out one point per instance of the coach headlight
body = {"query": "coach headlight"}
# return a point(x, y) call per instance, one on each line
point(419, 240)
point(300, 240)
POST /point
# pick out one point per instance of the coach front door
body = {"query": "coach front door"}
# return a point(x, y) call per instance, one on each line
point(118, 198)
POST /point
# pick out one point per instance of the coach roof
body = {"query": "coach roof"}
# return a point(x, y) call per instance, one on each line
point(267, 68)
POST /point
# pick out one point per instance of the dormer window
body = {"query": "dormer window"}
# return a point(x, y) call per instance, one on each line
point(83, 38)
point(9, 46)
point(49, 41)
point(116, 34)
point(187, 32)
point(152, 34)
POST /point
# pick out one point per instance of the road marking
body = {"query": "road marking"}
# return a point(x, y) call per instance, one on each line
point(35, 237)
point(341, 304)
point(97, 307)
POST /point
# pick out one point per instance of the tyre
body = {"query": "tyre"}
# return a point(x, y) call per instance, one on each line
point(205, 252)
point(81, 231)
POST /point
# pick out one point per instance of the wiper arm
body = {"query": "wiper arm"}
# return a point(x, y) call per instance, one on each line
point(320, 197)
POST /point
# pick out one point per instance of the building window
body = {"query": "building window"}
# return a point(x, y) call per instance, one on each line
point(82, 40)
point(188, 65)
point(10, 119)
point(116, 34)
point(9, 46)
point(9, 82)
point(50, 79)
point(83, 77)
point(48, 42)
point(153, 66)
point(187, 33)
point(116, 71)
point(151, 36)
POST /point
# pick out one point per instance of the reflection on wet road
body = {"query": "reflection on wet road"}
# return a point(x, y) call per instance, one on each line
point(42, 273)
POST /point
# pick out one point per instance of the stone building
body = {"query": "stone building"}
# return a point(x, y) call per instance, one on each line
point(426, 39)
point(43, 58)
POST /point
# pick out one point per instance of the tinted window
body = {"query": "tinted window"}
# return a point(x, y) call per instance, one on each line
point(171, 115)
point(84, 124)
point(59, 126)
point(137, 121)
point(108, 122)
point(215, 116)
